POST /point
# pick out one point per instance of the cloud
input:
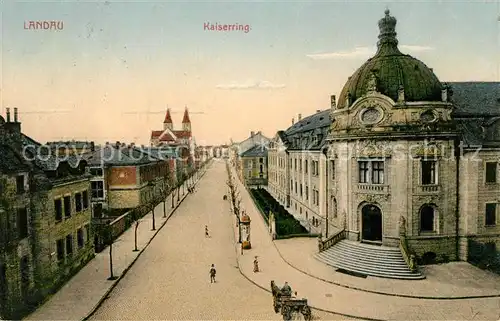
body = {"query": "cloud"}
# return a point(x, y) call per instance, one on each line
point(261, 84)
point(363, 52)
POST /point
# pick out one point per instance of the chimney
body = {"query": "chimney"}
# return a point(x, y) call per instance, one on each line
point(333, 103)
point(293, 121)
point(318, 110)
point(300, 117)
point(8, 115)
point(15, 114)
point(252, 133)
point(92, 146)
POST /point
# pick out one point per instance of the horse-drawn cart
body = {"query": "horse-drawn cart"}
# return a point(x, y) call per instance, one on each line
point(289, 306)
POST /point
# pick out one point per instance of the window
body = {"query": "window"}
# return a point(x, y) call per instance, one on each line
point(69, 244)
point(87, 232)
point(58, 209)
point(300, 190)
point(317, 197)
point(20, 184)
point(491, 214)
point(78, 202)
point(300, 165)
point(97, 210)
point(25, 275)
point(22, 222)
point(427, 219)
point(96, 171)
point(307, 192)
point(377, 172)
point(97, 189)
point(261, 160)
point(306, 166)
point(295, 164)
point(60, 249)
point(363, 171)
point(428, 172)
point(67, 206)
point(371, 172)
point(332, 169)
point(85, 197)
point(261, 169)
point(3, 284)
point(79, 235)
point(491, 172)
point(250, 164)
point(295, 187)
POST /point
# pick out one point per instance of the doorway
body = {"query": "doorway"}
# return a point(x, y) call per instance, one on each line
point(371, 221)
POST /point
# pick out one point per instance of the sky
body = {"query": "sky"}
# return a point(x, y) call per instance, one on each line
point(114, 67)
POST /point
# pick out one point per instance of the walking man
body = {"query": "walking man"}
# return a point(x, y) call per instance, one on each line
point(206, 231)
point(255, 265)
point(212, 274)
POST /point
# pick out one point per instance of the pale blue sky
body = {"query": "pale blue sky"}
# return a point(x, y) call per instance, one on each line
point(119, 56)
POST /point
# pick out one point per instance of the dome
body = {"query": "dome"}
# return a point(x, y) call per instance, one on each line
point(392, 70)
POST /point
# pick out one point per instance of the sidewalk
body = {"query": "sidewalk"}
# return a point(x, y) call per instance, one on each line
point(344, 301)
point(83, 293)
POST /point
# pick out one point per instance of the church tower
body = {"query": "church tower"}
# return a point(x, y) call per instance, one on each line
point(167, 123)
point(186, 123)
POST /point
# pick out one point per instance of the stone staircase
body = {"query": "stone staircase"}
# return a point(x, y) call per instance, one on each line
point(368, 260)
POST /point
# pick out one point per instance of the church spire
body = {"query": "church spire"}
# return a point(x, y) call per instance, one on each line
point(186, 119)
point(388, 43)
point(167, 123)
point(186, 122)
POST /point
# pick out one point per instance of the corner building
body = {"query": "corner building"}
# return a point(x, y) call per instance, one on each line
point(409, 154)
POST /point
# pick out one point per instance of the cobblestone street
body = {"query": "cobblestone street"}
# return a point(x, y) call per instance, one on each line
point(171, 279)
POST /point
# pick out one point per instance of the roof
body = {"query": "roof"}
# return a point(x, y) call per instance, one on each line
point(73, 143)
point(161, 153)
point(168, 118)
point(11, 161)
point(51, 162)
point(390, 69)
point(28, 141)
point(182, 133)
point(186, 119)
point(475, 98)
point(317, 120)
point(256, 151)
point(119, 156)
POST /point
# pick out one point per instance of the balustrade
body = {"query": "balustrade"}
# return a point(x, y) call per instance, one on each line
point(331, 241)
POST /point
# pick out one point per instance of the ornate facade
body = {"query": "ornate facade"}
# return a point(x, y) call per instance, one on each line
point(407, 154)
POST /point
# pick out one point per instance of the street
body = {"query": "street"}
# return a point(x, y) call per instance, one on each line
point(171, 279)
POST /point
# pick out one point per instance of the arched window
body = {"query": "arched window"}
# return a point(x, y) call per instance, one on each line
point(333, 204)
point(427, 218)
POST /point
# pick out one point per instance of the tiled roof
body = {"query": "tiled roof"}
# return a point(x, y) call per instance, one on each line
point(11, 161)
point(28, 141)
point(256, 151)
point(75, 144)
point(475, 98)
point(182, 133)
point(166, 138)
point(156, 133)
point(168, 118)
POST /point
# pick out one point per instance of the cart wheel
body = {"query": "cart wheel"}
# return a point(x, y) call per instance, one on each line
point(306, 312)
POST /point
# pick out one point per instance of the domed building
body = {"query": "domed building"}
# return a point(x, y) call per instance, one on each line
point(412, 162)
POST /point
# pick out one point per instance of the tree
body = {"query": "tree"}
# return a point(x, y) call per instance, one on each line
point(109, 240)
point(235, 199)
point(164, 190)
point(137, 218)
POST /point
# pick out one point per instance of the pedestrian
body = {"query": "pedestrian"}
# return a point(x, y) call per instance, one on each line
point(212, 274)
point(206, 231)
point(255, 265)
point(241, 248)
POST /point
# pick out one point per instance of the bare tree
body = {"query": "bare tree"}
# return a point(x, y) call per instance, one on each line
point(109, 240)
point(137, 218)
point(235, 199)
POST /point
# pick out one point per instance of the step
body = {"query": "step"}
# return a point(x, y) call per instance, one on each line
point(373, 260)
point(368, 264)
point(359, 252)
point(370, 248)
point(380, 275)
point(374, 272)
point(385, 264)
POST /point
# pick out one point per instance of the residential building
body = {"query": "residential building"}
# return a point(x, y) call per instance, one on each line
point(237, 149)
point(45, 217)
point(297, 167)
point(253, 166)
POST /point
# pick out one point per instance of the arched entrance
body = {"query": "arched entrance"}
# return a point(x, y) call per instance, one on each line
point(371, 222)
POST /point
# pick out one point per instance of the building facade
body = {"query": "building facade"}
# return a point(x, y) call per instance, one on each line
point(297, 169)
point(401, 155)
point(253, 166)
point(256, 141)
point(45, 217)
